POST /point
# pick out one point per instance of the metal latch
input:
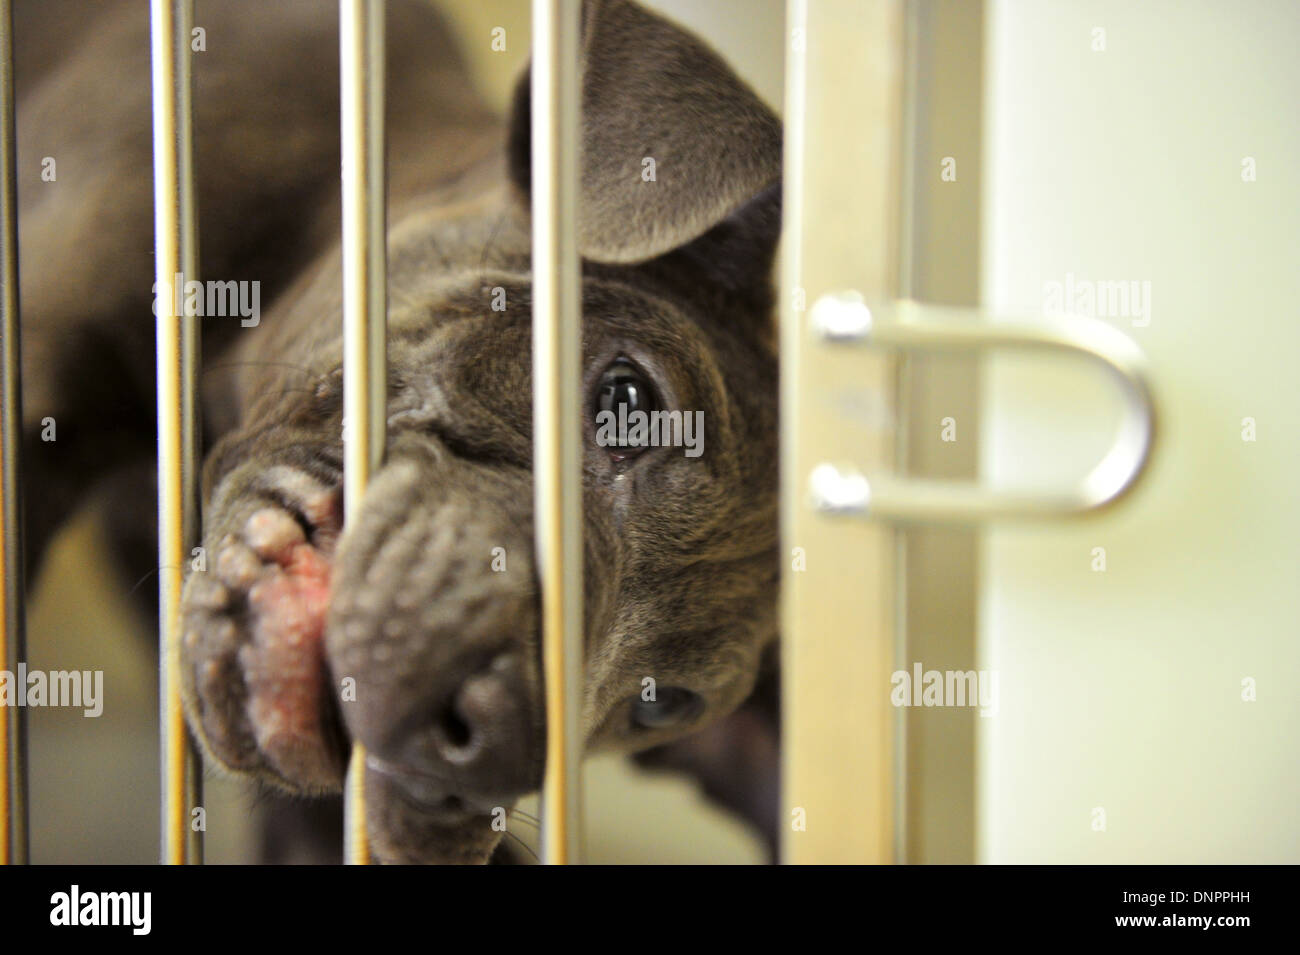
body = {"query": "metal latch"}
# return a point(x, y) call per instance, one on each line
point(845, 318)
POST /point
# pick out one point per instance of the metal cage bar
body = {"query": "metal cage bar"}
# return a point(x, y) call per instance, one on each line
point(13, 650)
point(365, 371)
point(939, 259)
point(557, 415)
point(843, 147)
point(176, 260)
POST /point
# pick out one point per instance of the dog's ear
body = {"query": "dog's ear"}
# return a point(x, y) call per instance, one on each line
point(650, 91)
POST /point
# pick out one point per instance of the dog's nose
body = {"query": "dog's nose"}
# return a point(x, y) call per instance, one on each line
point(483, 733)
point(436, 642)
point(475, 747)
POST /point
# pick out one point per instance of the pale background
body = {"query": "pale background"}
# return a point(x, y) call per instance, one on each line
point(1122, 690)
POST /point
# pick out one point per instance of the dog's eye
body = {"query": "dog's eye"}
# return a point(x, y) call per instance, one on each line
point(622, 384)
point(622, 391)
point(671, 706)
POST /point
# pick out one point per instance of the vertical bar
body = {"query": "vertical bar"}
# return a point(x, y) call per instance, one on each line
point(557, 416)
point(190, 420)
point(938, 571)
point(844, 83)
point(365, 373)
point(177, 352)
point(13, 650)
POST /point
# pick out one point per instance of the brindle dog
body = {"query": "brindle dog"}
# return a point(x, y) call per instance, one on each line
point(415, 630)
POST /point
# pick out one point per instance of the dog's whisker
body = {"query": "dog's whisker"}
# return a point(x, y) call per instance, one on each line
point(523, 845)
point(532, 820)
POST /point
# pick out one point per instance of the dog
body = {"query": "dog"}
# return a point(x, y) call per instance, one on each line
point(414, 629)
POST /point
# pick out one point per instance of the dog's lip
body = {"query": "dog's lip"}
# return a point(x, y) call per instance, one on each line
point(427, 793)
point(404, 826)
point(396, 770)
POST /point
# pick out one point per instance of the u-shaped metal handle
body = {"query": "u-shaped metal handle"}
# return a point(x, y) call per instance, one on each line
point(908, 325)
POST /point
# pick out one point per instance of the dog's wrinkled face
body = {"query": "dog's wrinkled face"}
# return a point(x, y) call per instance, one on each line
point(415, 630)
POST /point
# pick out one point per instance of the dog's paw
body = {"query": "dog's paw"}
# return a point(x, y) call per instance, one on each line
point(255, 676)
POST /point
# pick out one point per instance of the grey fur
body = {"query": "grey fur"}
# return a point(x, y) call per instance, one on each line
point(681, 553)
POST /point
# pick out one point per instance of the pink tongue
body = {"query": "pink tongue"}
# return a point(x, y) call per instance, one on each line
point(285, 672)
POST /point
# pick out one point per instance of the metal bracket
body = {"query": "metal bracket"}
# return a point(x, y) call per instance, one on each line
point(845, 318)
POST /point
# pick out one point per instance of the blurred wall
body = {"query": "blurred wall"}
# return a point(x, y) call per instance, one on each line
point(1118, 137)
